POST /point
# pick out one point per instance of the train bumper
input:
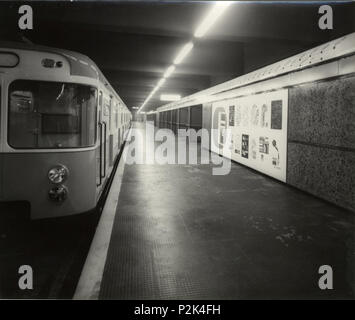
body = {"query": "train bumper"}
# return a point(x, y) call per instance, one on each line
point(24, 177)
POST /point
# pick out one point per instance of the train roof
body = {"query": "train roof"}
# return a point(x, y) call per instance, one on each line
point(80, 64)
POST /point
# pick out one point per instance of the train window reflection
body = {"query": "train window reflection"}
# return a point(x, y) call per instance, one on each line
point(51, 115)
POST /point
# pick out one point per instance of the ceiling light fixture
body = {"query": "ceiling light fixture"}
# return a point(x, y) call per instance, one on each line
point(169, 71)
point(183, 52)
point(170, 97)
point(156, 88)
point(161, 82)
point(216, 11)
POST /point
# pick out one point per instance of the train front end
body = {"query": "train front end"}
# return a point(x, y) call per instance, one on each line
point(48, 137)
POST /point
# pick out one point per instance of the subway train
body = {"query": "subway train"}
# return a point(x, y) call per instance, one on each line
point(62, 127)
point(292, 120)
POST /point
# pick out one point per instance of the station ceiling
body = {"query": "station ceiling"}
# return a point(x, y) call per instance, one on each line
point(133, 43)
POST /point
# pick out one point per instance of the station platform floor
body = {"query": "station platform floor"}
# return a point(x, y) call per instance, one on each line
point(180, 232)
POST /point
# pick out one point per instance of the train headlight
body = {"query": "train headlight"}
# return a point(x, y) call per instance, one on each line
point(58, 174)
point(58, 193)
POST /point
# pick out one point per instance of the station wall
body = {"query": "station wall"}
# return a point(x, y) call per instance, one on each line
point(321, 140)
point(207, 118)
point(315, 142)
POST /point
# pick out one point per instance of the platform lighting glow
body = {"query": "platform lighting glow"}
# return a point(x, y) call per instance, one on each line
point(161, 82)
point(150, 95)
point(169, 71)
point(216, 11)
point(183, 53)
point(170, 97)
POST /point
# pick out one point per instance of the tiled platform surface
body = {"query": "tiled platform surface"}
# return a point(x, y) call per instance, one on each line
point(182, 233)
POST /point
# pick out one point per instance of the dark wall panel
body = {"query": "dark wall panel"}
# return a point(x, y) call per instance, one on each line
point(323, 113)
point(321, 140)
point(324, 172)
point(196, 117)
point(207, 118)
point(168, 119)
point(183, 117)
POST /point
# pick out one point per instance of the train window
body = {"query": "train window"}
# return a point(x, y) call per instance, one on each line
point(60, 123)
point(51, 115)
point(100, 99)
point(111, 115)
point(106, 107)
point(116, 115)
point(8, 60)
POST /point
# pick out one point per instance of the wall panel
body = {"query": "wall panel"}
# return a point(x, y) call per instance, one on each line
point(252, 130)
point(321, 140)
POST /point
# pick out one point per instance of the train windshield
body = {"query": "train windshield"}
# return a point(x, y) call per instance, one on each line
point(51, 115)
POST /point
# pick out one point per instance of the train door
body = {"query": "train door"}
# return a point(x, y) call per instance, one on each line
point(111, 136)
point(122, 127)
point(118, 111)
point(99, 152)
point(106, 135)
point(103, 140)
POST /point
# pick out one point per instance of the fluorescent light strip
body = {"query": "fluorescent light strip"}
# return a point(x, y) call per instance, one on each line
point(181, 55)
point(183, 52)
point(170, 97)
point(206, 24)
point(211, 18)
point(156, 88)
point(161, 82)
point(169, 71)
point(215, 12)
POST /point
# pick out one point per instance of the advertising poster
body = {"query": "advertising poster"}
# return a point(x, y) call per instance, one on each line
point(255, 115)
point(238, 116)
point(276, 114)
point(237, 143)
point(245, 146)
point(245, 116)
point(264, 116)
point(259, 131)
point(264, 145)
point(221, 129)
point(231, 116)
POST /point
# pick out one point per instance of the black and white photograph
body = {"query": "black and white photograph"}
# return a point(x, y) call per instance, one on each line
point(176, 155)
